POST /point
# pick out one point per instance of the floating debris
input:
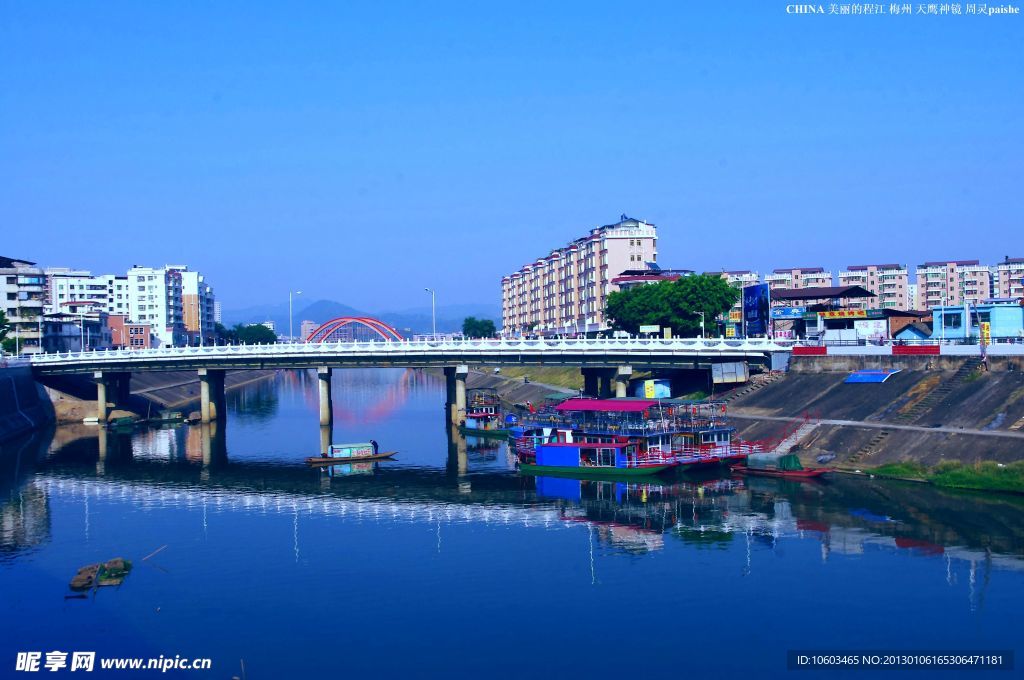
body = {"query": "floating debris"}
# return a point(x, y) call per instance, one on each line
point(109, 573)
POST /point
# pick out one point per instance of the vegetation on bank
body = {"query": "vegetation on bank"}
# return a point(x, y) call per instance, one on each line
point(562, 376)
point(987, 476)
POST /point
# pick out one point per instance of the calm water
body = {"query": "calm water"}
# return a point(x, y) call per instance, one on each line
point(447, 563)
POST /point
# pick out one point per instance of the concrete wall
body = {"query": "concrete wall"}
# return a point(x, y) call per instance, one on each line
point(24, 405)
point(845, 363)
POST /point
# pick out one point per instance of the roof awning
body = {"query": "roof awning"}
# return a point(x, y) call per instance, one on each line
point(620, 405)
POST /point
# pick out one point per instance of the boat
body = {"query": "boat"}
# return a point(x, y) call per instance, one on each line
point(688, 434)
point(605, 460)
point(343, 454)
point(785, 465)
point(483, 415)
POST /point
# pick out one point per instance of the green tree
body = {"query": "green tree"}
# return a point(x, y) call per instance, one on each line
point(8, 345)
point(5, 326)
point(254, 334)
point(224, 335)
point(672, 304)
point(473, 327)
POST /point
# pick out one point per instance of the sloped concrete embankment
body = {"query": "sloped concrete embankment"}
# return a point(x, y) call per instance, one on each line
point(74, 397)
point(24, 406)
point(953, 409)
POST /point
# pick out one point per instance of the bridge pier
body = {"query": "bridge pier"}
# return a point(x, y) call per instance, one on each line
point(455, 393)
point(605, 389)
point(323, 375)
point(211, 395)
point(101, 396)
point(326, 438)
point(590, 378)
point(622, 374)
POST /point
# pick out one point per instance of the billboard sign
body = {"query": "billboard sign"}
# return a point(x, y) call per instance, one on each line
point(788, 312)
point(650, 329)
point(845, 314)
point(756, 309)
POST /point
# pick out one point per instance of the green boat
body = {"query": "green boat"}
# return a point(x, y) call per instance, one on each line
point(593, 460)
point(485, 434)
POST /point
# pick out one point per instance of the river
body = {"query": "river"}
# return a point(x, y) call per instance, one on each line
point(446, 562)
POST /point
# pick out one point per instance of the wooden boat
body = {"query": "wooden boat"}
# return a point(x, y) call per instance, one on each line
point(483, 415)
point(806, 473)
point(345, 460)
point(785, 465)
point(342, 454)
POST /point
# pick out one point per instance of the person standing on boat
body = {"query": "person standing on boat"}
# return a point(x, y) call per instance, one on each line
point(373, 443)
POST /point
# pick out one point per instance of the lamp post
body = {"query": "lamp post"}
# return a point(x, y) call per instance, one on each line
point(701, 325)
point(291, 336)
point(433, 312)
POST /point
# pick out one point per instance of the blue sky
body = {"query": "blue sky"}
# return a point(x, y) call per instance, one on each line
point(362, 151)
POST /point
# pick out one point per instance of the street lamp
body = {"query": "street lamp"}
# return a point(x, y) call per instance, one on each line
point(701, 325)
point(291, 336)
point(433, 312)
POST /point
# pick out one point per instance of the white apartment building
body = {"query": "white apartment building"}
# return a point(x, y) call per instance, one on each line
point(66, 287)
point(565, 291)
point(890, 282)
point(23, 296)
point(155, 297)
point(798, 278)
point(1008, 278)
point(952, 282)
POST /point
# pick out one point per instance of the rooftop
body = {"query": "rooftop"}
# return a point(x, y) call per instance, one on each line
point(802, 270)
point(943, 263)
point(864, 267)
point(11, 263)
point(822, 293)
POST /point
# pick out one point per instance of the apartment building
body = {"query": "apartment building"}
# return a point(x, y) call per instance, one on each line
point(197, 305)
point(798, 278)
point(565, 291)
point(889, 282)
point(952, 282)
point(106, 292)
point(23, 297)
point(1008, 278)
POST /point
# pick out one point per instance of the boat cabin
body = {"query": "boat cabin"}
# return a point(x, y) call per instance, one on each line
point(584, 455)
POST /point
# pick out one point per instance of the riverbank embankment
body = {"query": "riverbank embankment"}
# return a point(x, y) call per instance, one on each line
point(929, 413)
point(24, 405)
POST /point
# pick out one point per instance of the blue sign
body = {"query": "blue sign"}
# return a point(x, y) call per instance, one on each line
point(756, 309)
point(788, 312)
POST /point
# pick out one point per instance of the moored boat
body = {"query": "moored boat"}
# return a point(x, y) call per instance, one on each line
point(686, 433)
point(778, 465)
point(483, 415)
point(609, 460)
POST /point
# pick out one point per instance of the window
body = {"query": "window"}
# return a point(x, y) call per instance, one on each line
point(952, 320)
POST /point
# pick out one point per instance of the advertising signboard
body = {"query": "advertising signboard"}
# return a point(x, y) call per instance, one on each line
point(788, 312)
point(650, 329)
point(756, 309)
point(871, 328)
point(986, 333)
point(845, 314)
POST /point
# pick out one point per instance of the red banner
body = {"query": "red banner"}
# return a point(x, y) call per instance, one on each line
point(810, 351)
point(906, 350)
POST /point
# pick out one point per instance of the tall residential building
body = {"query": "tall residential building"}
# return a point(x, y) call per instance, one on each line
point(22, 296)
point(155, 298)
point(565, 291)
point(65, 287)
point(1008, 281)
point(197, 306)
point(952, 282)
point(797, 278)
point(306, 328)
point(890, 282)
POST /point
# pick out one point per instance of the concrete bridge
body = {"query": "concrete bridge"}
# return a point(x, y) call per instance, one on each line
point(606, 364)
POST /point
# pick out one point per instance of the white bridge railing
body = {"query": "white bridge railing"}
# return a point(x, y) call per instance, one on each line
point(425, 348)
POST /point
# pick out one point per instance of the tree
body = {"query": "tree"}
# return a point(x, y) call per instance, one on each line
point(254, 334)
point(473, 327)
point(5, 326)
point(672, 304)
point(226, 336)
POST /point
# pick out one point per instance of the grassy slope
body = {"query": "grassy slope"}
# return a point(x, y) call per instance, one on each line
point(985, 475)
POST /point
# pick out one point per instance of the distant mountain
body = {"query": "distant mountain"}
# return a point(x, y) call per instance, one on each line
point(408, 322)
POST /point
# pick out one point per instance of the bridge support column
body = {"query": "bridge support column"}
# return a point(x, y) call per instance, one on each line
point(101, 397)
point(605, 389)
point(326, 438)
point(451, 408)
point(461, 372)
point(122, 388)
point(622, 374)
point(211, 395)
point(590, 384)
point(323, 375)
